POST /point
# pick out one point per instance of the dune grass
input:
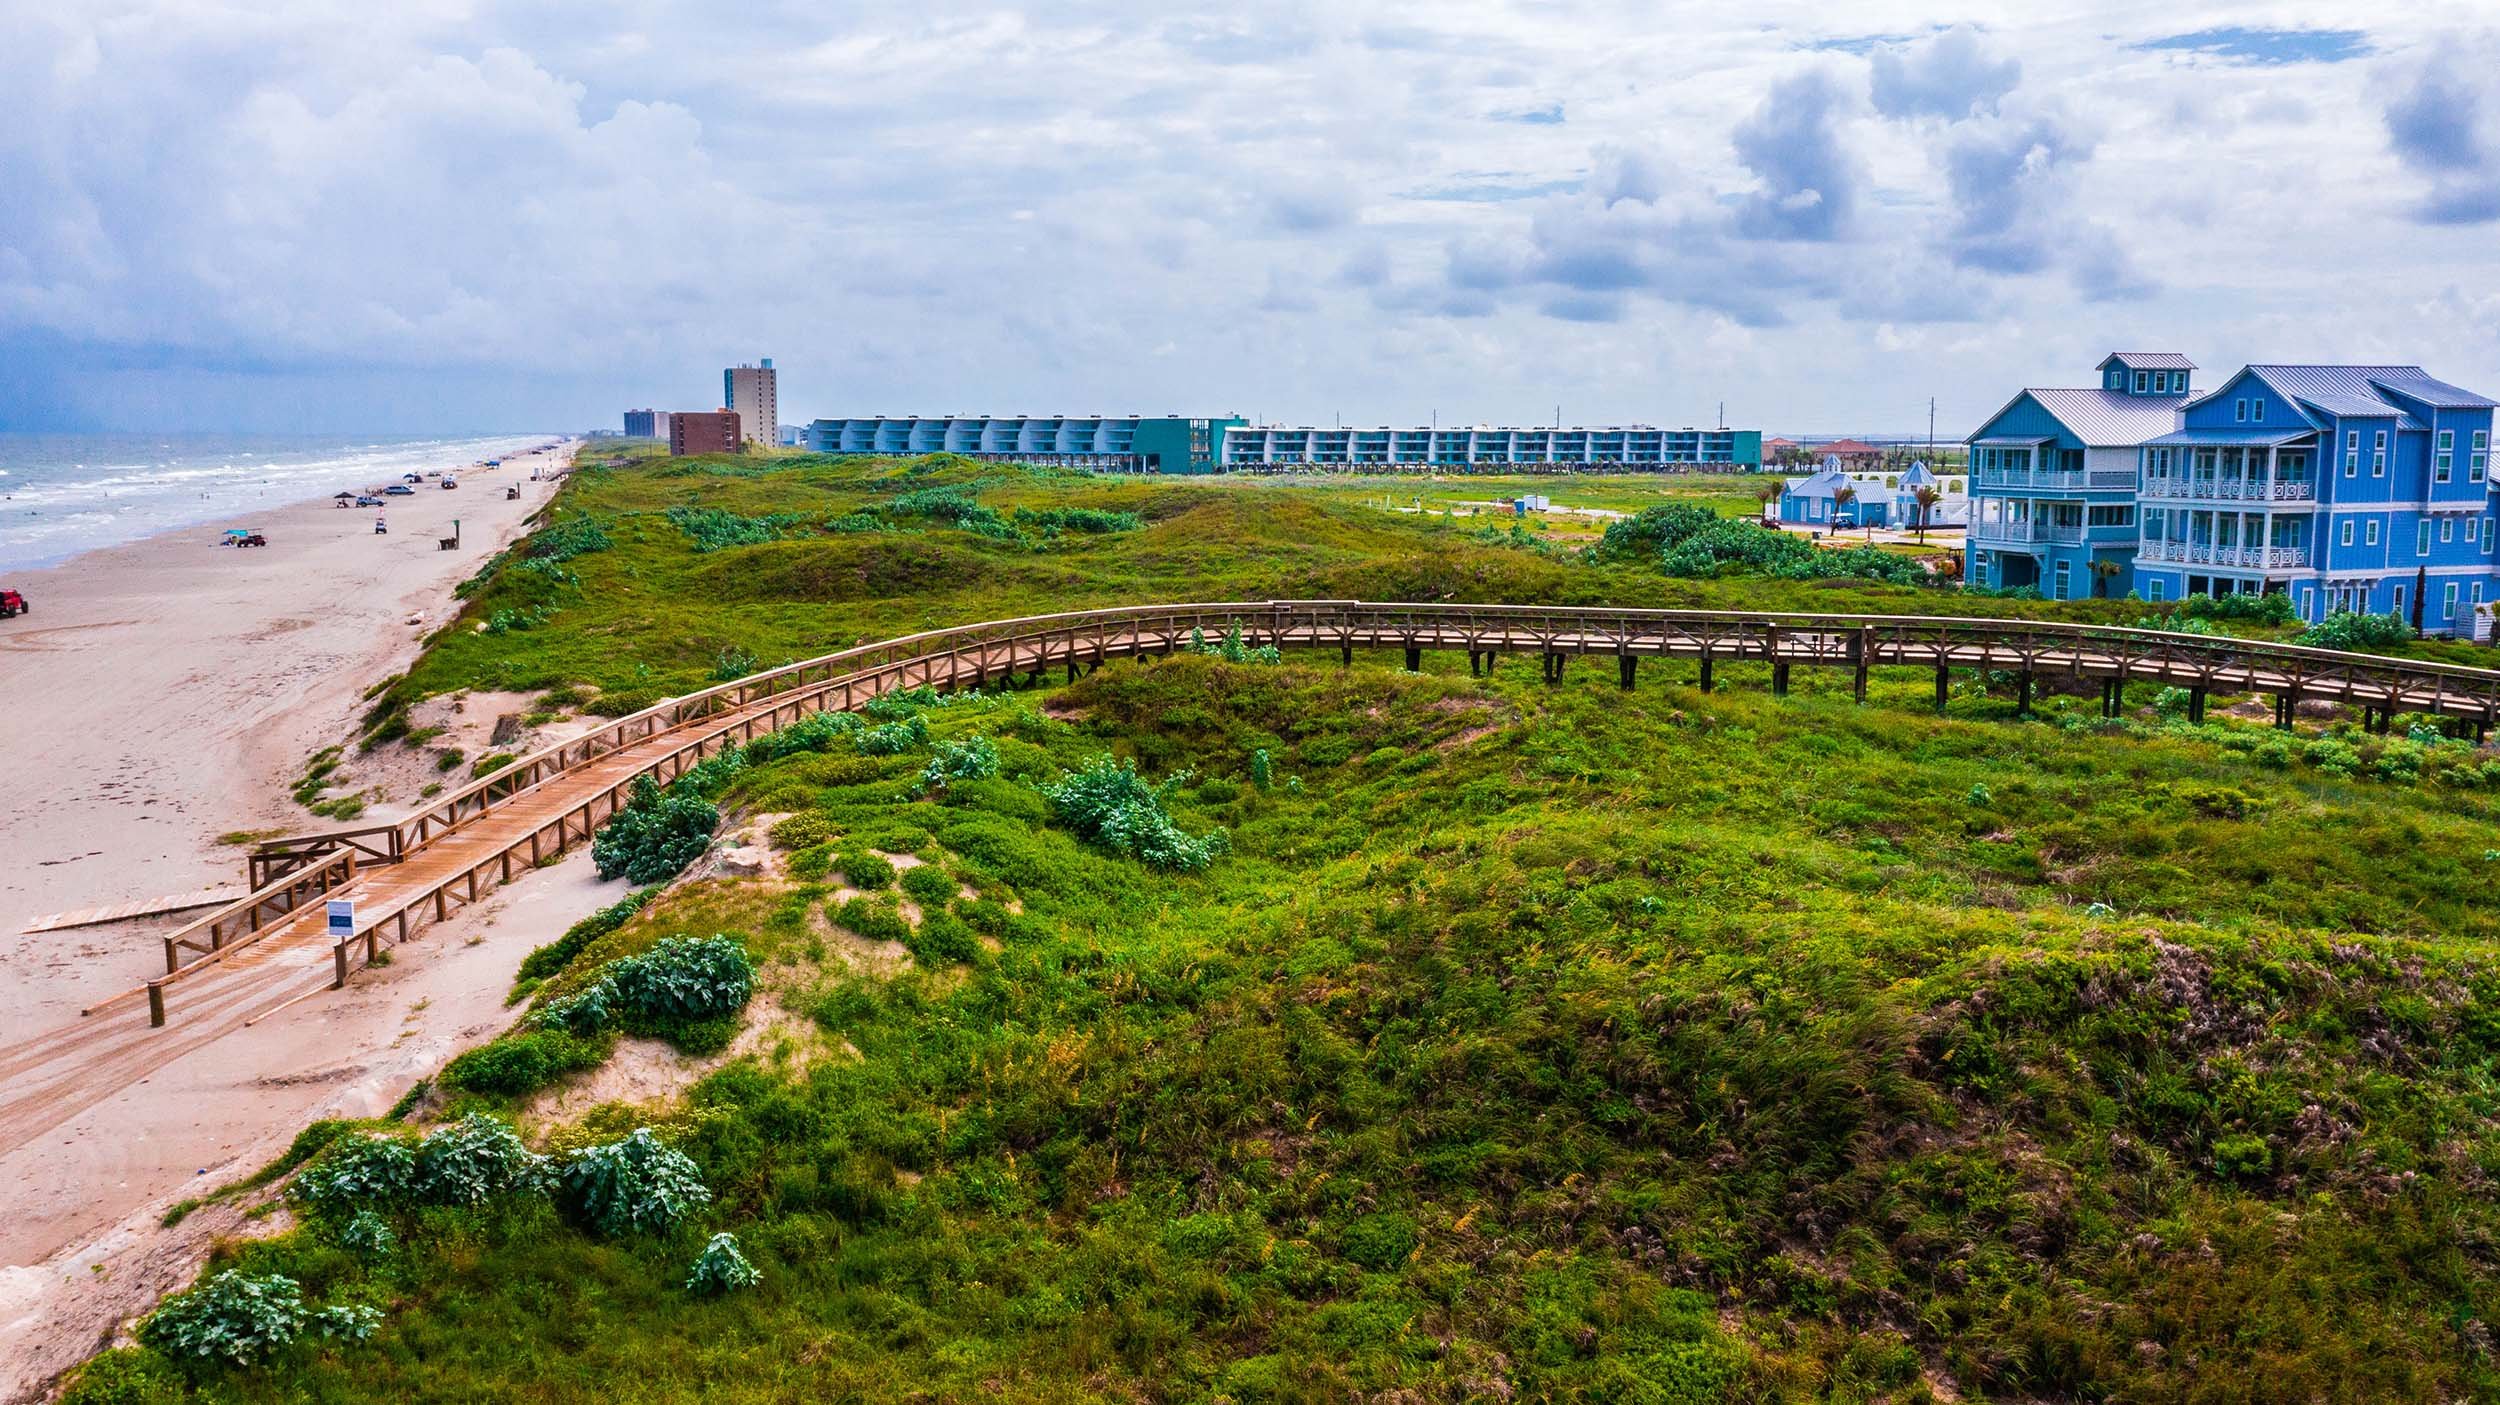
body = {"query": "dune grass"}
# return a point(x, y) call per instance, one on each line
point(1519, 1041)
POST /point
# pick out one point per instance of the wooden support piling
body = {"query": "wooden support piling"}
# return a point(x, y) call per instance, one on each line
point(1624, 666)
point(1708, 679)
point(1944, 685)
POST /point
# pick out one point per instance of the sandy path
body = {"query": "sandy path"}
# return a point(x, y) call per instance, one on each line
point(155, 696)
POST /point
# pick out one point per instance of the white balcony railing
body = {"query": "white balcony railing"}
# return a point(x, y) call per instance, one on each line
point(2026, 533)
point(2254, 558)
point(2072, 480)
point(2231, 489)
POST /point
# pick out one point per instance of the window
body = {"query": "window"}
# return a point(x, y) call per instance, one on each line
point(2447, 453)
point(2378, 454)
point(2117, 378)
point(2155, 519)
point(2346, 538)
point(2308, 602)
point(2422, 538)
point(2153, 588)
point(2352, 452)
point(2065, 573)
point(2109, 517)
point(2140, 378)
point(2480, 460)
point(2447, 529)
point(2487, 526)
point(2369, 533)
point(2448, 601)
point(2257, 409)
point(2400, 599)
point(2239, 411)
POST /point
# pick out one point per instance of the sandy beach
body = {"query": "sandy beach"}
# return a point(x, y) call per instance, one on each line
point(156, 696)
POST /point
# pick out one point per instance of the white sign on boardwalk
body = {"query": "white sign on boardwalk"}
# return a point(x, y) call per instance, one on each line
point(342, 918)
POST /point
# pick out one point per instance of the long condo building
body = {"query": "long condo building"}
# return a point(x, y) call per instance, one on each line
point(1175, 444)
point(2340, 487)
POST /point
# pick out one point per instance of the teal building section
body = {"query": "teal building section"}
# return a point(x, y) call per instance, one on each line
point(1122, 444)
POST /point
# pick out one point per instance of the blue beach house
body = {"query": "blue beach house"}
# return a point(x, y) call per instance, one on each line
point(2053, 478)
point(2344, 487)
point(1815, 501)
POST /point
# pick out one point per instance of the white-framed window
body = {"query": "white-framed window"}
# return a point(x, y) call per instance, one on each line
point(2447, 529)
point(2345, 539)
point(2141, 377)
point(2352, 452)
point(2447, 453)
point(2239, 411)
point(2308, 602)
point(2378, 454)
point(2478, 462)
point(2448, 602)
point(2487, 526)
point(2065, 575)
point(2117, 377)
point(2153, 588)
point(2422, 537)
point(2475, 595)
point(2400, 598)
point(2257, 409)
point(2369, 532)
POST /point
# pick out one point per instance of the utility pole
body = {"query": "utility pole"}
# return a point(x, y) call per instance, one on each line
point(1722, 414)
point(1931, 429)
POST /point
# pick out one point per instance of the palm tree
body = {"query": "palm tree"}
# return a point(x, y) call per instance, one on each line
point(1767, 494)
point(1842, 497)
point(1926, 496)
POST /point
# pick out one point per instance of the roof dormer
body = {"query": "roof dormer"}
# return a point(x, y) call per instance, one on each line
point(2149, 373)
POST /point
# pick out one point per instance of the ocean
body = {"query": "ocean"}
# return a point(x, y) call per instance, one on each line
point(61, 494)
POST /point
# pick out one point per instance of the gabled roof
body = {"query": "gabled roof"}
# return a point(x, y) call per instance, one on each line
point(1820, 485)
point(1846, 446)
point(2244, 435)
point(2360, 392)
point(2109, 419)
point(1916, 474)
point(2147, 361)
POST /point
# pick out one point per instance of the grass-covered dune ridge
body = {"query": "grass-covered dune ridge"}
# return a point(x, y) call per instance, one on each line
point(1537, 1042)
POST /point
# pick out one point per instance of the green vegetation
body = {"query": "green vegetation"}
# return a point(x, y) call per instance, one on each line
point(1424, 1037)
point(657, 834)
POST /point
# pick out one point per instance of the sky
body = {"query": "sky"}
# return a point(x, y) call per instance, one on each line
point(444, 215)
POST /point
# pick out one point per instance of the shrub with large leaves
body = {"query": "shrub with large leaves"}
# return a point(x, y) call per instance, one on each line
point(721, 1268)
point(656, 835)
point(357, 1172)
point(239, 1318)
point(638, 1185)
point(1110, 804)
point(474, 1160)
point(679, 982)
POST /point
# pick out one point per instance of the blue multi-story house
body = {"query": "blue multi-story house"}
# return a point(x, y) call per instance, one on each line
point(2343, 487)
point(2053, 478)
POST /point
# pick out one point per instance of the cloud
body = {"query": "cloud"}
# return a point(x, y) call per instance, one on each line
point(2266, 47)
point(1550, 115)
point(1309, 209)
point(1792, 143)
point(2439, 128)
point(1950, 75)
point(2011, 181)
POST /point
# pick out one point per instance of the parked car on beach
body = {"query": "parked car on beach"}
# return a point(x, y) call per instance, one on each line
point(400, 490)
point(11, 604)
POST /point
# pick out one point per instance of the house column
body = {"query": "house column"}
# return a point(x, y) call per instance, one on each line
point(2274, 454)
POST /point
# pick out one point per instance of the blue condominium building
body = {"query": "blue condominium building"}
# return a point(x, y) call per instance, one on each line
point(1610, 446)
point(2053, 478)
point(1133, 444)
point(2340, 487)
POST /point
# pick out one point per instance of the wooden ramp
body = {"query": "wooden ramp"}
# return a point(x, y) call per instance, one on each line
point(135, 907)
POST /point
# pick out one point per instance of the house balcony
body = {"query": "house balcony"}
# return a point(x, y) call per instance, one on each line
point(2247, 558)
point(2027, 534)
point(2232, 489)
point(2063, 480)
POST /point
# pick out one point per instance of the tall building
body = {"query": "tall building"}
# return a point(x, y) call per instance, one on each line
point(703, 432)
point(646, 424)
point(750, 391)
point(2362, 488)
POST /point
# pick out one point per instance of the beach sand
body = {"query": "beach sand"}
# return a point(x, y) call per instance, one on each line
point(156, 696)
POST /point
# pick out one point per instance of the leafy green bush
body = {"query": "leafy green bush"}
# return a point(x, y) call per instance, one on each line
point(721, 1268)
point(558, 954)
point(1091, 521)
point(975, 758)
point(942, 939)
point(815, 732)
point(802, 831)
point(2272, 608)
point(2345, 629)
point(1380, 1241)
point(684, 989)
point(874, 921)
point(656, 835)
point(715, 529)
point(522, 1063)
point(473, 1160)
point(1641, 536)
point(358, 1172)
point(367, 1235)
point(929, 885)
point(239, 1318)
point(1108, 804)
point(637, 1185)
point(1231, 649)
point(894, 738)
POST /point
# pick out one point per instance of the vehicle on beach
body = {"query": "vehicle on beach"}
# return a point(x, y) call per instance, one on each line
point(400, 490)
point(368, 500)
point(412, 478)
point(450, 482)
point(12, 604)
point(243, 536)
point(512, 492)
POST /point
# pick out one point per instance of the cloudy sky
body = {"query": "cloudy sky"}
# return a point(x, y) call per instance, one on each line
point(458, 214)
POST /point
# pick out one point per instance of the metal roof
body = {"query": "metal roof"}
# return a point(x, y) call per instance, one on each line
point(2361, 392)
point(1821, 485)
point(2258, 438)
point(2148, 361)
point(2109, 419)
point(1916, 474)
point(2008, 441)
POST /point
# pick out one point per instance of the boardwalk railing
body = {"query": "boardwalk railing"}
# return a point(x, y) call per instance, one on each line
point(689, 728)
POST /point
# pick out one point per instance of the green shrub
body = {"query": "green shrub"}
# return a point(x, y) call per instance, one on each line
point(656, 835)
point(864, 870)
point(942, 939)
point(684, 989)
point(522, 1063)
point(449, 759)
point(929, 885)
point(894, 738)
point(1108, 804)
point(975, 758)
point(1380, 1241)
point(2345, 629)
point(637, 1185)
point(367, 1235)
point(812, 865)
point(489, 764)
point(358, 1172)
point(720, 1268)
point(236, 1317)
point(474, 1160)
point(125, 1377)
point(874, 921)
point(713, 529)
point(802, 832)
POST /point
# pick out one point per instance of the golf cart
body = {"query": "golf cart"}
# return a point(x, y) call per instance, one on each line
point(11, 604)
point(243, 536)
